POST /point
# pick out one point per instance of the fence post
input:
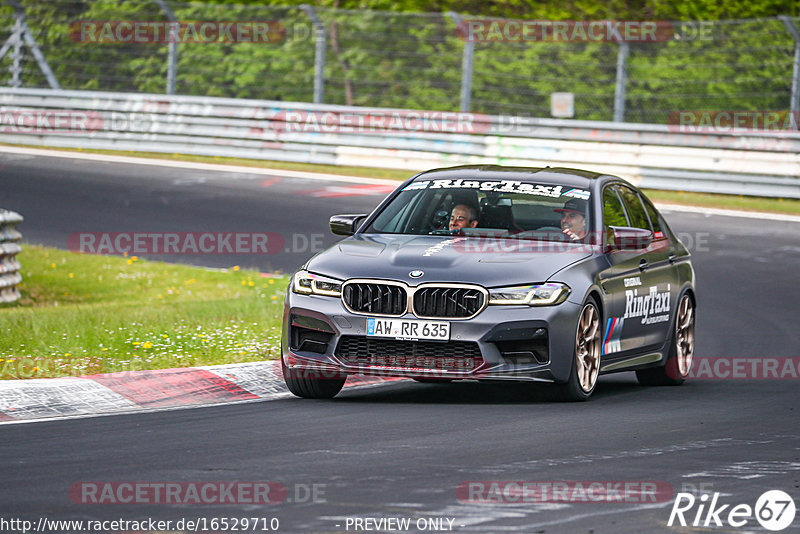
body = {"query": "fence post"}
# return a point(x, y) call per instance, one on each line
point(466, 64)
point(16, 54)
point(622, 80)
point(794, 103)
point(23, 33)
point(320, 37)
point(172, 53)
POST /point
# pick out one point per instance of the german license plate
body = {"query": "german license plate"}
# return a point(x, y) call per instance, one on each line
point(408, 329)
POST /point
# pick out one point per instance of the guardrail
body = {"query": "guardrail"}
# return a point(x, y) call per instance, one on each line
point(10, 237)
point(653, 156)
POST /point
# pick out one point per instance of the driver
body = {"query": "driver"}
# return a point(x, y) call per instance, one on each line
point(573, 219)
point(463, 216)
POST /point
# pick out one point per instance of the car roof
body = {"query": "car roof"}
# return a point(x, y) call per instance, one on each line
point(549, 175)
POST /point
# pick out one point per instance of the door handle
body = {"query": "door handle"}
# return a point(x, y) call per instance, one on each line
point(672, 257)
point(643, 265)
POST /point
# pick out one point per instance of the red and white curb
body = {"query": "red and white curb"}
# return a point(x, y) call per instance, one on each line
point(137, 391)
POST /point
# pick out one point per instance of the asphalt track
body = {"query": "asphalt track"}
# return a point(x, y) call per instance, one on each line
point(401, 450)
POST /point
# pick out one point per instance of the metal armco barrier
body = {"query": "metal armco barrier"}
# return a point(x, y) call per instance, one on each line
point(652, 156)
point(10, 276)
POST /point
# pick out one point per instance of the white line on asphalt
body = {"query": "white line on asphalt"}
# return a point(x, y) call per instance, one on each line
point(144, 410)
point(9, 149)
point(129, 411)
point(728, 213)
point(197, 165)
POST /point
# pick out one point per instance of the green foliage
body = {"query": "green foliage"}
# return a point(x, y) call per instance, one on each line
point(404, 57)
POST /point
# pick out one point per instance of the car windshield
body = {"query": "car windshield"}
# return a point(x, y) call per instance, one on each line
point(500, 208)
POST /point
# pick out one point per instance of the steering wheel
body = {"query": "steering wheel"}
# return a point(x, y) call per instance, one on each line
point(443, 231)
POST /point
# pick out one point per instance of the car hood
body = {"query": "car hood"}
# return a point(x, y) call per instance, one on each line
point(490, 262)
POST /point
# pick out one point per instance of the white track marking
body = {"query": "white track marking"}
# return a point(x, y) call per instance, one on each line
point(54, 397)
point(727, 213)
point(333, 177)
point(108, 158)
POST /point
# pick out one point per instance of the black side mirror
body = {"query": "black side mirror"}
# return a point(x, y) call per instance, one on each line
point(627, 238)
point(346, 224)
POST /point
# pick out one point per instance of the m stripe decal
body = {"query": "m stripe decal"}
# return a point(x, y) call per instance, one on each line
point(611, 341)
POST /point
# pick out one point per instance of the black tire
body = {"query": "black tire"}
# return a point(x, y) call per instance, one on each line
point(310, 385)
point(675, 370)
point(572, 390)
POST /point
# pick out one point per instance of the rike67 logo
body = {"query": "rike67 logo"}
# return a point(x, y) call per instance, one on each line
point(774, 510)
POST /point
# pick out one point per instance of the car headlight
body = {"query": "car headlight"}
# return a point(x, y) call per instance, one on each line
point(308, 283)
point(545, 294)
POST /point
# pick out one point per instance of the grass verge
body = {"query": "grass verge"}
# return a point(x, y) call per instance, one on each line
point(711, 200)
point(84, 314)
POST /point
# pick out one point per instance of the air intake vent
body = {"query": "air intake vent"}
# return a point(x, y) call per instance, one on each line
point(375, 298)
point(448, 302)
point(376, 353)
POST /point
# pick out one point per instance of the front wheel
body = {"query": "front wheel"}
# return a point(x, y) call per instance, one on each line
point(679, 361)
point(310, 384)
point(586, 359)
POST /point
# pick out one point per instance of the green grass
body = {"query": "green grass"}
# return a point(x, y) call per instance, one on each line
point(84, 314)
point(736, 202)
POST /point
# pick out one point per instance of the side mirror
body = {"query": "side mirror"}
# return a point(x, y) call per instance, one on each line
point(627, 238)
point(346, 224)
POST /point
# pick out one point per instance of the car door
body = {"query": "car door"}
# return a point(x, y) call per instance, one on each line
point(649, 294)
point(623, 272)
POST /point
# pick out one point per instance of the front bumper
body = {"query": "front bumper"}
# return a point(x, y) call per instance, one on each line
point(510, 343)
